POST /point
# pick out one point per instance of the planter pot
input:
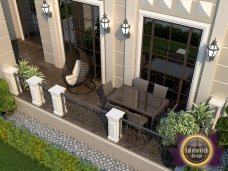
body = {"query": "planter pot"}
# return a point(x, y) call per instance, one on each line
point(166, 157)
point(2, 113)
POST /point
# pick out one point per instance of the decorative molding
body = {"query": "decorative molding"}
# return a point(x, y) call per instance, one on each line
point(204, 8)
point(151, 2)
point(167, 4)
point(184, 6)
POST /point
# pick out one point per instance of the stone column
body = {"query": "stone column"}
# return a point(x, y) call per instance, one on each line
point(11, 80)
point(114, 126)
point(36, 90)
point(57, 102)
point(215, 102)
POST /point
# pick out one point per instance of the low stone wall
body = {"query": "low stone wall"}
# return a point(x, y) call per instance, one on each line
point(89, 138)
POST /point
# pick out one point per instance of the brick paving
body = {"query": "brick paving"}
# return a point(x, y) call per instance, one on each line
point(53, 136)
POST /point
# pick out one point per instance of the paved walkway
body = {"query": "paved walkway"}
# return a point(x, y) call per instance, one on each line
point(74, 146)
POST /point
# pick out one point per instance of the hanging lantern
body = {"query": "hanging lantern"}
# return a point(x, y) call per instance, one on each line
point(105, 23)
point(212, 50)
point(125, 27)
point(45, 8)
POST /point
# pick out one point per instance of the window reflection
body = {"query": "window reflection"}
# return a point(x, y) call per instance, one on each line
point(169, 54)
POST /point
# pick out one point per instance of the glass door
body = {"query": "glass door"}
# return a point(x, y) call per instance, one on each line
point(80, 24)
point(169, 54)
point(28, 17)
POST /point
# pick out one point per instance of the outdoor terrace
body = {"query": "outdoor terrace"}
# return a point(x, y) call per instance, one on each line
point(83, 110)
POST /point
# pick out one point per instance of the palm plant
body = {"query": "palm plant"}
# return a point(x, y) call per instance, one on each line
point(202, 114)
point(26, 71)
point(22, 67)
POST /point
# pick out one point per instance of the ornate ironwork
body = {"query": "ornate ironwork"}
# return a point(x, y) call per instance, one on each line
point(142, 141)
point(23, 87)
point(47, 96)
point(87, 116)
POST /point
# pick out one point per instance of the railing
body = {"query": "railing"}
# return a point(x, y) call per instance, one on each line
point(47, 97)
point(87, 116)
point(144, 142)
point(23, 87)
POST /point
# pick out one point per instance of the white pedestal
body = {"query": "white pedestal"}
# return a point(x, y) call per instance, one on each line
point(215, 102)
point(11, 80)
point(36, 90)
point(58, 105)
point(114, 130)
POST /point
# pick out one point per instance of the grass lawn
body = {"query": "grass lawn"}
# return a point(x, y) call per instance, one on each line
point(13, 160)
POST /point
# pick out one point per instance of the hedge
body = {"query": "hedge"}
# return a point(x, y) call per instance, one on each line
point(53, 157)
point(221, 127)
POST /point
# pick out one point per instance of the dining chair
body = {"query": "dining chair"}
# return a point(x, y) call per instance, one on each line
point(160, 91)
point(103, 91)
point(140, 84)
point(136, 118)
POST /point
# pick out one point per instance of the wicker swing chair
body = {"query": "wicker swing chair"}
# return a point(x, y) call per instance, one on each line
point(77, 71)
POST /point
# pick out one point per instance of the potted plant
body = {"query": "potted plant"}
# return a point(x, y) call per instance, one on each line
point(7, 102)
point(176, 123)
point(202, 114)
point(26, 71)
point(181, 122)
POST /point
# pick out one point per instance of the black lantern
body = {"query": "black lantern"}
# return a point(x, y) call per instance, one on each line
point(45, 8)
point(105, 23)
point(125, 27)
point(212, 50)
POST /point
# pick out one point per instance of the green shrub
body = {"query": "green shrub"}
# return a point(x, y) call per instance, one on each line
point(188, 168)
point(182, 122)
point(226, 109)
point(222, 138)
point(55, 158)
point(222, 124)
point(226, 168)
point(222, 128)
point(7, 102)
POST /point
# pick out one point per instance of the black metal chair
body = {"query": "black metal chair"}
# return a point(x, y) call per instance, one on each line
point(77, 61)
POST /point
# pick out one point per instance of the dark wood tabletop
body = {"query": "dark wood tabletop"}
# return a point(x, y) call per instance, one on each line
point(143, 102)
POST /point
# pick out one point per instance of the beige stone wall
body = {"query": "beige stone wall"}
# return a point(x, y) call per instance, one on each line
point(6, 53)
point(213, 80)
point(45, 33)
point(219, 86)
point(119, 45)
point(197, 10)
point(125, 50)
point(12, 19)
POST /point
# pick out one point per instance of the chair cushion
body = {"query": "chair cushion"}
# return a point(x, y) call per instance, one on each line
point(71, 79)
point(160, 91)
point(140, 84)
point(76, 67)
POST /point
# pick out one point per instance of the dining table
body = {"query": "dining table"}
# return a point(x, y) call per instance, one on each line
point(139, 101)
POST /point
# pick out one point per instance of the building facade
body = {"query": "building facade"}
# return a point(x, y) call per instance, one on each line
point(167, 44)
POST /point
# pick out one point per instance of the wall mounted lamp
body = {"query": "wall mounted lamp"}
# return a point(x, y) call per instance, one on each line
point(212, 50)
point(125, 27)
point(45, 8)
point(105, 23)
